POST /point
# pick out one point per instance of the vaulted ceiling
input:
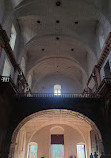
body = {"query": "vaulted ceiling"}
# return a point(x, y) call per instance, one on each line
point(53, 117)
point(59, 38)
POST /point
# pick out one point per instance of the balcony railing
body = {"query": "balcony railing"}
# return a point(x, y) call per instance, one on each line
point(63, 95)
point(5, 78)
point(105, 81)
point(8, 79)
point(20, 87)
point(17, 69)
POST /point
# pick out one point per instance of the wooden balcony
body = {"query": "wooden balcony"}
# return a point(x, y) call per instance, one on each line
point(105, 88)
point(62, 95)
point(7, 85)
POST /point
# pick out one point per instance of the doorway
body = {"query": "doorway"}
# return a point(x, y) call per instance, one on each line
point(81, 151)
point(57, 146)
point(57, 151)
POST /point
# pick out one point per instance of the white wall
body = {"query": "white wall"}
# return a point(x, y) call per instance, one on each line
point(43, 139)
point(68, 85)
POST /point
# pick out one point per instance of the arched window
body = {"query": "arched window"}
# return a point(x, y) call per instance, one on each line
point(57, 89)
point(33, 148)
point(30, 81)
point(22, 65)
point(12, 37)
point(7, 68)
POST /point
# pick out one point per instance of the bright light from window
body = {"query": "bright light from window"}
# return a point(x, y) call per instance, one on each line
point(57, 151)
point(7, 68)
point(80, 151)
point(22, 65)
point(13, 37)
point(57, 89)
point(30, 81)
point(33, 151)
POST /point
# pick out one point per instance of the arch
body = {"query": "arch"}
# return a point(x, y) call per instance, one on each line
point(68, 115)
point(52, 112)
point(57, 130)
point(42, 61)
point(47, 66)
point(66, 37)
point(58, 111)
point(60, 59)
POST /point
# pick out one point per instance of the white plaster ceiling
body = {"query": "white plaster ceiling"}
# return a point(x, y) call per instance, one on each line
point(45, 54)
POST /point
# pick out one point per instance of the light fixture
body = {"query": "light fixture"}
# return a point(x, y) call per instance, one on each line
point(58, 3)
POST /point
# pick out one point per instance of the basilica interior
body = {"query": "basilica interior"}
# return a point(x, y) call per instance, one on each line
point(55, 79)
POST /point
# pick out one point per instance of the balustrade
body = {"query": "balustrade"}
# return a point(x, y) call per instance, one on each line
point(63, 95)
point(104, 82)
point(22, 84)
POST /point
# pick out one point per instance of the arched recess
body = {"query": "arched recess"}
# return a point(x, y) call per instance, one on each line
point(66, 115)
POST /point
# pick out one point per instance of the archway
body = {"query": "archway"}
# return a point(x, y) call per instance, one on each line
point(39, 127)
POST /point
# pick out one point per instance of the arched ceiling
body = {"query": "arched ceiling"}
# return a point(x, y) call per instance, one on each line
point(37, 121)
point(59, 38)
point(34, 125)
point(65, 47)
point(59, 66)
point(95, 3)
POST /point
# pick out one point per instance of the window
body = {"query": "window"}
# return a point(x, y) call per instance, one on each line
point(22, 65)
point(57, 89)
point(57, 151)
point(30, 81)
point(101, 41)
point(33, 148)
point(81, 151)
point(101, 37)
point(7, 68)
point(13, 37)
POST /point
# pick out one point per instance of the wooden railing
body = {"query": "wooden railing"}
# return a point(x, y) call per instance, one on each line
point(96, 70)
point(104, 81)
point(18, 88)
point(63, 95)
point(8, 79)
point(21, 80)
